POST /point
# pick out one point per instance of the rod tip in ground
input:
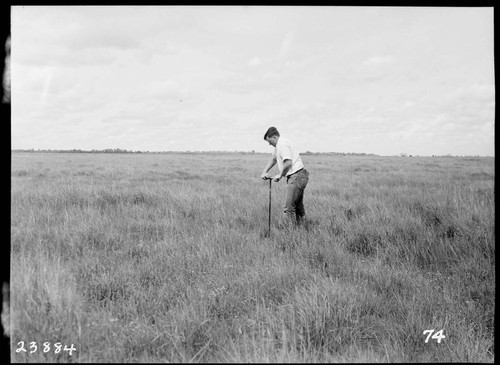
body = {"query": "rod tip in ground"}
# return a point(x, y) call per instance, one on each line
point(264, 233)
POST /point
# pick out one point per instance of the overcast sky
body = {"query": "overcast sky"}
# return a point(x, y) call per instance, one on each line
point(381, 80)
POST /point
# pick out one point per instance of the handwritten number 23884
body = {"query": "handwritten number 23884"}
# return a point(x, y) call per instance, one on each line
point(46, 347)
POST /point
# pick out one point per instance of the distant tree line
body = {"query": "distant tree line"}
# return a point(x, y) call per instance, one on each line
point(107, 150)
point(119, 150)
point(339, 153)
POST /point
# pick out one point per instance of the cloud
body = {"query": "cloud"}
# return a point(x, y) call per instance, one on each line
point(375, 68)
point(66, 37)
point(256, 61)
point(377, 61)
point(286, 44)
point(169, 93)
point(481, 92)
point(243, 83)
point(49, 54)
point(100, 37)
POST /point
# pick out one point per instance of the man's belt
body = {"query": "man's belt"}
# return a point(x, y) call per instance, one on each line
point(295, 172)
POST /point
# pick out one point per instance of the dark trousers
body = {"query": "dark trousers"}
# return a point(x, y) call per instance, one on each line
point(294, 201)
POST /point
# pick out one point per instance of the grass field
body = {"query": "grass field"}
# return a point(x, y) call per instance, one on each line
point(162, 257)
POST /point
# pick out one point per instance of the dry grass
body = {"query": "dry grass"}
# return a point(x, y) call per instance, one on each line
point(148, 258)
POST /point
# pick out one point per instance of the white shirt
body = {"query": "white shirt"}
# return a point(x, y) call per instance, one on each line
point(285, 151)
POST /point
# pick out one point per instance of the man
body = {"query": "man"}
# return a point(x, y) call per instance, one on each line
point(290, 165)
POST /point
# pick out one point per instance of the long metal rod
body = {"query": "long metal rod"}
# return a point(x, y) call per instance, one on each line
point(269, 230)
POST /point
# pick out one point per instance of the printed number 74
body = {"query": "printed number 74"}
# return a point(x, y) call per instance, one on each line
point(437, 336)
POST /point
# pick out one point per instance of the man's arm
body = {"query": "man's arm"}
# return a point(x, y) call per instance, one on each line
point(286, 154)
point(268, 167)
point(287, 164)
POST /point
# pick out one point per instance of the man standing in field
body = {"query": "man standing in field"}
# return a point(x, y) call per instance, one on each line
point(290, 165)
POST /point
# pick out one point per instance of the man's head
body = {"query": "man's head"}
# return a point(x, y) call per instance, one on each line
point(272, 135)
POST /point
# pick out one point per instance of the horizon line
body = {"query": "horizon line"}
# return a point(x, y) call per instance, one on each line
point(119, 150)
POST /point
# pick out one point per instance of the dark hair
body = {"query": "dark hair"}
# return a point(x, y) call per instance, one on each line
point(271, 132)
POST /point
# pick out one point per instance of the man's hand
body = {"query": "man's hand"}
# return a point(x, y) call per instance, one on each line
point(277, 178)
point(265, 176)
